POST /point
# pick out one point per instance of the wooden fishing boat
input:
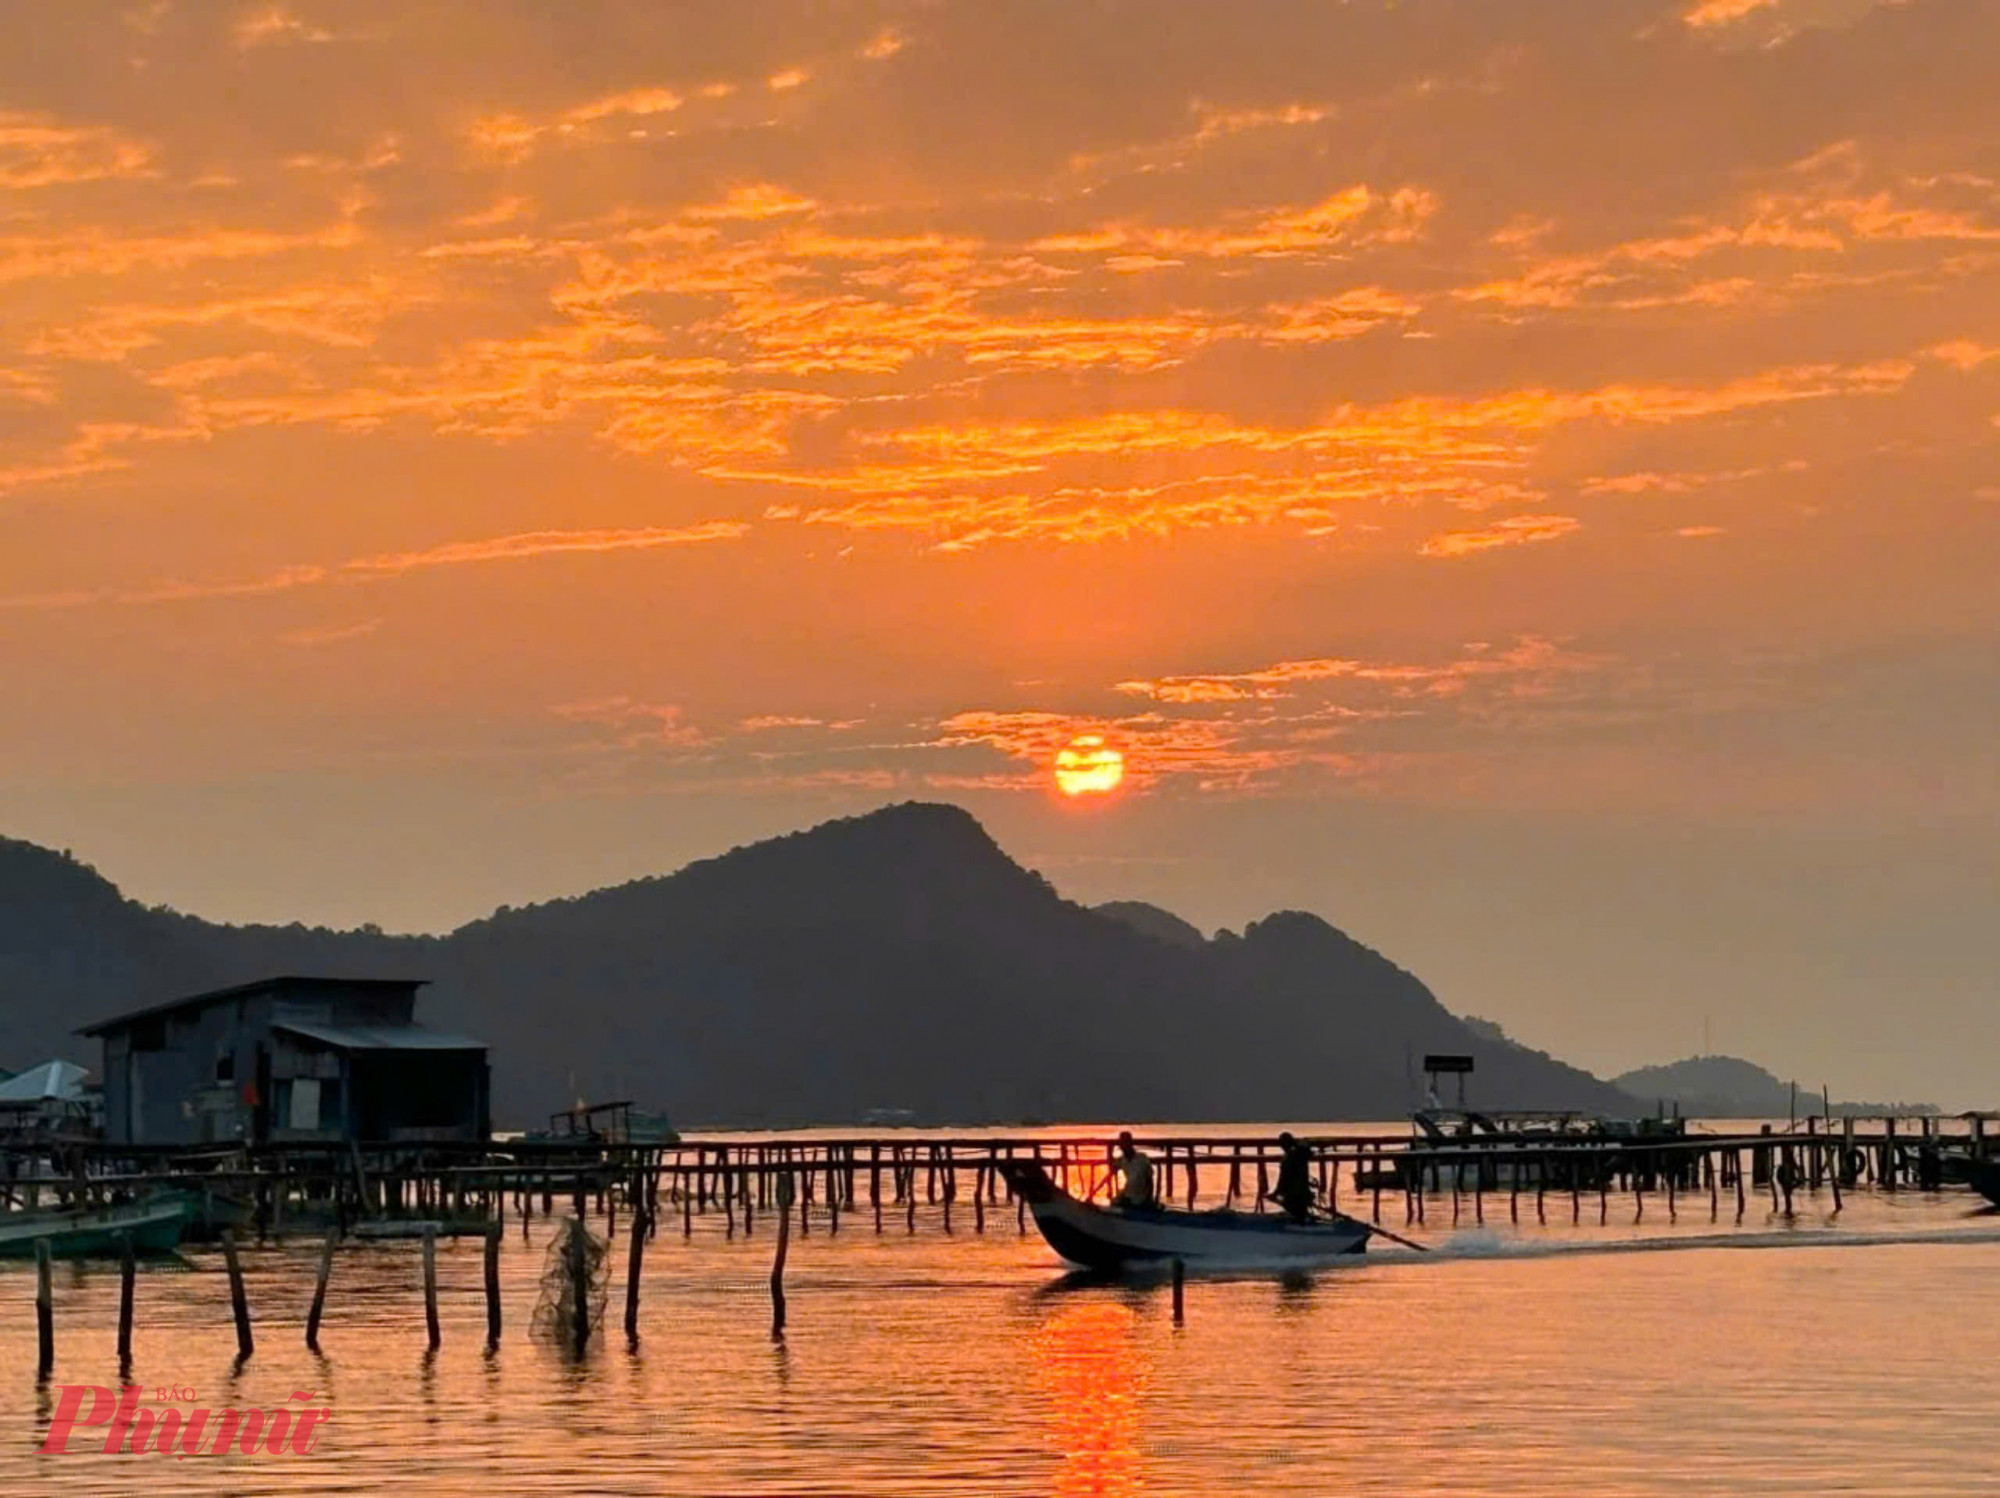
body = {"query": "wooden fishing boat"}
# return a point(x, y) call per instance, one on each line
point(1105, 1238)
point(154, 1225)
point(1983, 1176)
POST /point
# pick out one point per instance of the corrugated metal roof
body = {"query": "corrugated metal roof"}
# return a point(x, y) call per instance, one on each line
point(59, 1081)
point(379, 1037)
point(239, 990)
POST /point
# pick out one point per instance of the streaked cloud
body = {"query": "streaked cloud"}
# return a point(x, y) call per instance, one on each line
point(39, 151)
point(524, 546)
point(1515, 530)
point(543, 544)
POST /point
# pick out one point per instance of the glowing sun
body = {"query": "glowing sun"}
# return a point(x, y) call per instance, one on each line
point(1087, 766)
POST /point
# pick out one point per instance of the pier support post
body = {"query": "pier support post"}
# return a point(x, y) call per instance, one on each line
point(778, 1259)
point(1180, 1281)
point(431, 1288)
point(127, 1273)
point(634, 1261)
point(579, 1287)
point(239, 1305)
point(45, 1312)
point(319, 1288)
point(493, 1286)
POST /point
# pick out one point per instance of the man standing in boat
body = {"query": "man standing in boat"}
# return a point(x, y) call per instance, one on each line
point(1137, 1171)
point(1294, 1191)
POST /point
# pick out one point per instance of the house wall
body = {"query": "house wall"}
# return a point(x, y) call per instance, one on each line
point(117, 1087)
point(170, 1058)
point(181, 1077)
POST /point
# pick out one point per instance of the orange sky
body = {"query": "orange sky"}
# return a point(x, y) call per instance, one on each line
point(460, 453)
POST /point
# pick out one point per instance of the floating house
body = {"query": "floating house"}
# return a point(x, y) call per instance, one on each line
point(291, 1059)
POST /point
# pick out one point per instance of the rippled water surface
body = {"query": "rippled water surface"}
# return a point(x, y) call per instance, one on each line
point(1645, 1357)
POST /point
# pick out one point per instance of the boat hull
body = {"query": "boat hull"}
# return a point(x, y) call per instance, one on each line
point(97, 1232)
point(1100, 1239)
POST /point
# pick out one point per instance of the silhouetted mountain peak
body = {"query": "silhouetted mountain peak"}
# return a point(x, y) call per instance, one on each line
point(34, 877)
point(1299, 932)
point(919, 859)
point(1151, 920)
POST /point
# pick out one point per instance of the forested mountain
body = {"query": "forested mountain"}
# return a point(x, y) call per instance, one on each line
point(898, 959)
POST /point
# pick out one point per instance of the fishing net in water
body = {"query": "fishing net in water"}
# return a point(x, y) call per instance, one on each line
point(575, 1257)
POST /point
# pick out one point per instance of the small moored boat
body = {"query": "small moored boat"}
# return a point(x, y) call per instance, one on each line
point(1983, 1176)
point(1107, 1239)
point(153, 1224)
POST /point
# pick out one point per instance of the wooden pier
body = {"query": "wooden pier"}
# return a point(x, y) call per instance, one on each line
point(377, 1190)
point(891, 1181)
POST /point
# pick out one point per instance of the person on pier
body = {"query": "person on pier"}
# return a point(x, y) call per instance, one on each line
point(1136, 1173)
point(1294, 1191)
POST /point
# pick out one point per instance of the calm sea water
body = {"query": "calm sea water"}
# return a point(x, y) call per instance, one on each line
point(1648, 1357)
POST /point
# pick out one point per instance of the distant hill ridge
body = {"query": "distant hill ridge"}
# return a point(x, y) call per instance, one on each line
point(1728, 1087)
point(897, 959)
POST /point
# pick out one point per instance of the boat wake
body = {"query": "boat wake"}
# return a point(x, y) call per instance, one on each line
point(1484, 1244)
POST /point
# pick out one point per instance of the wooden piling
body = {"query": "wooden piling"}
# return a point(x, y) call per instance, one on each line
point(239, 1304)
point(1180, 1280)
point(635, 1254)
point(45, 1311)
point(127, 1274)
point(319, 1288)
point(492, 1257)
point(579, 1287)
point(778, 1259)
point(431, 1288)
